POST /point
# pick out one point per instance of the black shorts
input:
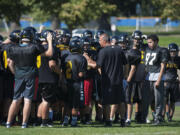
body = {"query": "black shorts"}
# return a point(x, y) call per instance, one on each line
point(171, 90)
point(37, 95)
point(47, 91)
point(133, 92)
point(24, 88)
point(112, 94)
point(96, 93)
point(75, 99)
point(8, 87)
point(62, 94)
point(1, 88)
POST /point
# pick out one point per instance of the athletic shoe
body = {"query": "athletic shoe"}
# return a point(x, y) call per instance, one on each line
point(128, 122)
point(46, 125)
point(156, 122)
point(24, 125)
point(108, 123)
point(8, 125)
point(123, 124)
point(169, 119)
point(73, 123)
point(66, 121)
point(148, 121)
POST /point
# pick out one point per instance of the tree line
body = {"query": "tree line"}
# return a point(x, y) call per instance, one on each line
point(75, 13)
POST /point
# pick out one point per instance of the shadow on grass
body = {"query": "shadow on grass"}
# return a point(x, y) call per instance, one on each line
point(101, 125)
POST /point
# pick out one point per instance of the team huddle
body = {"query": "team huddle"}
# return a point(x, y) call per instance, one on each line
point(51, 76)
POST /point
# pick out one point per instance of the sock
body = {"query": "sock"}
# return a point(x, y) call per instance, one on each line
point(74, 118)
point(8, 123)
point(51, 115)
point(44, 121)
point(39, 120)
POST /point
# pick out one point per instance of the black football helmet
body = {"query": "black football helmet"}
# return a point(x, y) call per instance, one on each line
point(75, 38)
point(64, 33)
point(173, 47)
point(88, 34)
point(26, 35)
point(114, 40)
point(123, 41)
point(123, 38)
point(63, 36)
point(98, 33)
point(32, 29)
point(75, 46)
point(15, 36)
point(137, 35)
point(38, 38)
point(85, 43)
point(44, 34)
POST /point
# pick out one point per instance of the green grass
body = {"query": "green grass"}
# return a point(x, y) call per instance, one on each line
point(173, 36)
point(159, 29)
point(172, 128)
point(165, 40)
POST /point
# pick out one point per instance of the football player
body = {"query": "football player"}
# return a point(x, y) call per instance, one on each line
point(171, 80)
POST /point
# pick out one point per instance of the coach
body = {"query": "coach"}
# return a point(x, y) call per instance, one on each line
point(110, 65)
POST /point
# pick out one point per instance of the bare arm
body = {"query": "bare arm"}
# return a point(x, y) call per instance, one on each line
point(80, 74)
point(7, 41)
point(131, 73)
point(11, 65)
point(91, 63)
point(41, 28)
point(54, 67)
point(99, 70)
point(49, 52)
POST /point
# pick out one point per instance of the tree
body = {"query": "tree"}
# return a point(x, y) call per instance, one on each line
point(44, 10)
point(12, 11)
point(171, 9)
point(166, 9)
point(77, 12)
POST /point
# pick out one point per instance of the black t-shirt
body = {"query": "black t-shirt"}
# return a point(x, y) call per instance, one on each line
point(72, 65)
point(134, 58)
point(154, 58)
point(171, 69)
point(24, 57)
point(111, 60)
point(46, 75)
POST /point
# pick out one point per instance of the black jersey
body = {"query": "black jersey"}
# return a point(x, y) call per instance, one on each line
point(72, 65)
point(140, 70)
point(171, 69)
point(154, 58)
point(46, 75)
point(24, 57)
point(5, 55)
point(134, 58)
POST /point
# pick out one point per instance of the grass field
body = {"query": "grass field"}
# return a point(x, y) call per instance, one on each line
point(165, 40)
point(172, 128)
